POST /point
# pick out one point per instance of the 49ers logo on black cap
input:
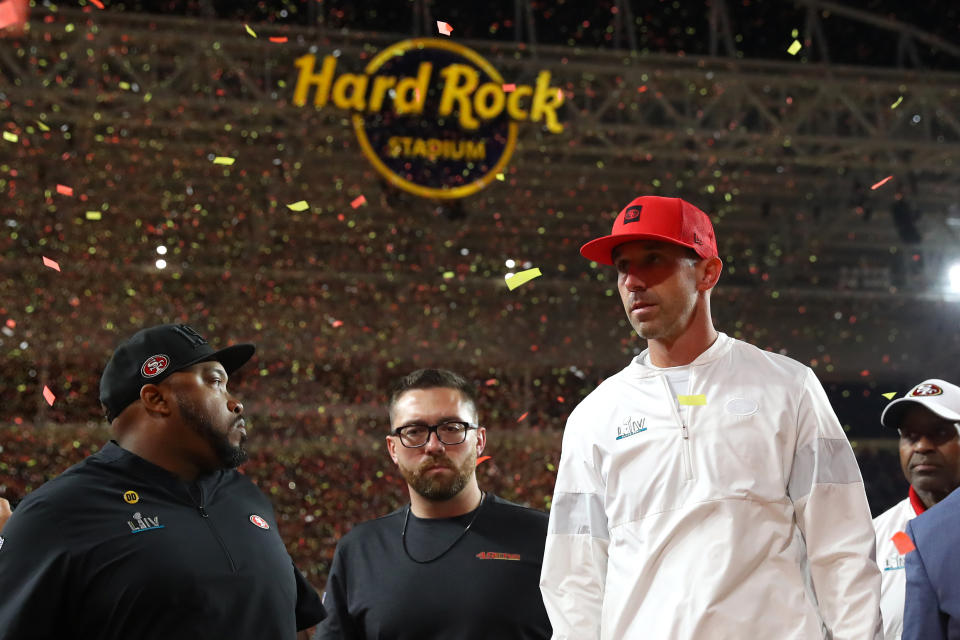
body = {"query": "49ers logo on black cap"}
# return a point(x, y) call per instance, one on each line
point(154, 366)
point(927, 390)
point(631, 215)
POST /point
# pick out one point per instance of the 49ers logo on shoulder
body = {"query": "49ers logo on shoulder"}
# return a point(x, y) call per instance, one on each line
point(927, 390)
point(154, 365)
point(260, 522)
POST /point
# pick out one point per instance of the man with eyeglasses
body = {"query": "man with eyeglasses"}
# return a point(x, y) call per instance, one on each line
point(454, 563)
point(926, 419)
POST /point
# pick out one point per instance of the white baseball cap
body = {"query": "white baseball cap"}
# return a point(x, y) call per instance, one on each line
point(939, 396)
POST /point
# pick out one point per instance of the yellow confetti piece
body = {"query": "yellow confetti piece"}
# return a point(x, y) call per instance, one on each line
point(889, 396)
point(94, 215)
point(42, 126)
point(124, 85)
point(300, 205)
point(250, 31)
point(794, 48)
point(224, 160)
point(523, 277)
point(692, 401)
point(10, 137)
point(501, 177)
point(897, 103)
point(447, 275)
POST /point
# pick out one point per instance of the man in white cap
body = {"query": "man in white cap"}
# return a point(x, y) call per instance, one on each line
point(930, 458)
point(707, 491)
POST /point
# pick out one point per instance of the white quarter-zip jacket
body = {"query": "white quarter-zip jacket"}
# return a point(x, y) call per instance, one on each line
point(745, 519)
point(893, 585)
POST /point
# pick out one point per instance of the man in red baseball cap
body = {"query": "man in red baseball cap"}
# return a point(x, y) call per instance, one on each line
point(707, 490)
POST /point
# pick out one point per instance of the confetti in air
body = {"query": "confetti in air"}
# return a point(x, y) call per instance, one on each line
point(897, 103)
point(903, 543)
point(10, 137)
point(523, 277)
point(507, 88)
point(882, 182)
point(93, 215)
point(48, 395)
point(42, 126)
point(278, 38)
point(523, 417)
point(47, 262)
point(300, 205)
point(97, 4)
point(224, 160)
point(889, 396)
point(359, 201)
point(250, 31)
point(444, 28)
point(482, 459)
point(64, 190)
point(794, 48)
point(501, 177)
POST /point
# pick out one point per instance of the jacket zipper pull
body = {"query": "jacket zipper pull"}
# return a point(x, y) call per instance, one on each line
point(203, 512)
point(683, 430)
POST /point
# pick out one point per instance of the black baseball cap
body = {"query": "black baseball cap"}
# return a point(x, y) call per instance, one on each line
point(152, 355)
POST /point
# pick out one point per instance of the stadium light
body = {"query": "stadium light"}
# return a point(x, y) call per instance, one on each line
point(954, 275)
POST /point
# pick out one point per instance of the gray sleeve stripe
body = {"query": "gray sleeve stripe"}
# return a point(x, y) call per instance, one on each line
point(826, 461)
point(578, 514)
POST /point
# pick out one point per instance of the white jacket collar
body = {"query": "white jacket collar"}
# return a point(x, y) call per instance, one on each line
point(718, 349)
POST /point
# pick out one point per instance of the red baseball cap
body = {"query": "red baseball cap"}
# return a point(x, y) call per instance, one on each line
point(655, 218)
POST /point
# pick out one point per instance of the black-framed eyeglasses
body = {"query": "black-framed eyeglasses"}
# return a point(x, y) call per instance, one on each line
point(417, 435)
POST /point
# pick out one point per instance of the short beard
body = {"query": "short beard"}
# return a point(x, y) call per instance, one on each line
point(434, 488)
point(230, 457)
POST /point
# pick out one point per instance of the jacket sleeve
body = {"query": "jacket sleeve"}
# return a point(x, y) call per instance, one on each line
point(922, 619)
point(338, 624)
point(833, 515)
point(309, 609)
point(574, 570)
point(33, 574)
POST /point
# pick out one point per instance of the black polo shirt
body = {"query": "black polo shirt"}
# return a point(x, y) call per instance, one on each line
point(486, 586)
point(117, 547)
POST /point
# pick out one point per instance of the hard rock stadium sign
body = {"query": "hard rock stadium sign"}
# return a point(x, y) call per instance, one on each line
point(433, 117)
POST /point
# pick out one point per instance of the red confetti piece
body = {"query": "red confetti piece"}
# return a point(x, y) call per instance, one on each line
point(444, 28)
point(507, 88)
point(521, 418)
point(482, 459)
point(47, 262)
point(278, 38)
point(64, 190)
point(97, 4)
point(11, 323)
point(490, 382)
point(903, 543)
point(559, 398)
point(337, 323)
point(882, 182)
point(48, 395)
point(358, 201)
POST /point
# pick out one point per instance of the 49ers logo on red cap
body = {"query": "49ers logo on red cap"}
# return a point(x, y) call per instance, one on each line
point(927, 390)
point(631, 215)
point(260, 522)
point(154, 366)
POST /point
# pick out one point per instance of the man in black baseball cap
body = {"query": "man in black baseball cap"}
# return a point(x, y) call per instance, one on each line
point(156, 535)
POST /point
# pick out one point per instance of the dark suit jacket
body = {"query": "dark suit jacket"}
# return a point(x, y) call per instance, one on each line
point(932, 608)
